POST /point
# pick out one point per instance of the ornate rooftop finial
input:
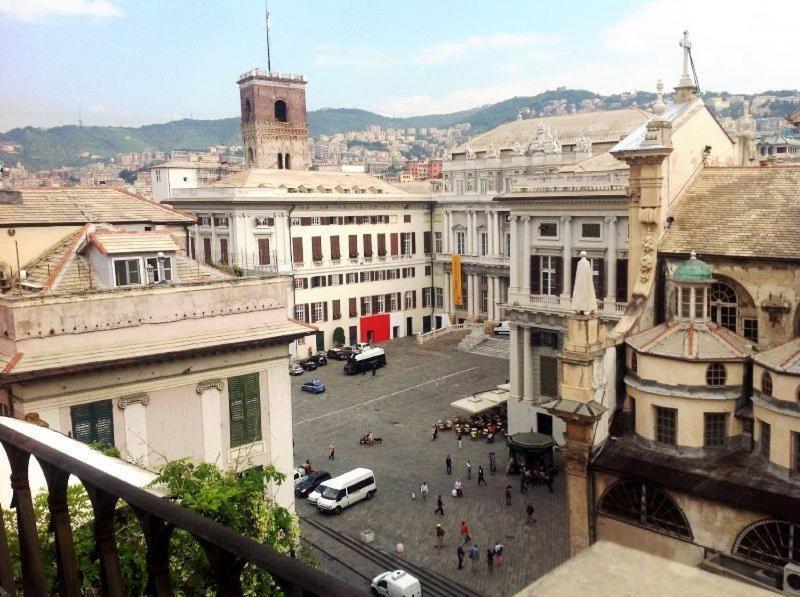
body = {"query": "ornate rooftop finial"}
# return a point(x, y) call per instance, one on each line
point(659, 106)
point(584, 299)
point(686, 88)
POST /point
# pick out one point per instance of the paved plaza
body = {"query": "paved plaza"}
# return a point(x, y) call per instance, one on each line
point(400, 404)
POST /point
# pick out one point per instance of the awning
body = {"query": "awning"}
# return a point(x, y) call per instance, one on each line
point(481, 401)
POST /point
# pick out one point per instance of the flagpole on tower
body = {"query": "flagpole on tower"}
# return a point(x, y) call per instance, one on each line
point(266, 10)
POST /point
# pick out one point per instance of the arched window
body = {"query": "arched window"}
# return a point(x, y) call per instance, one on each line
point(247, 111)
point(280, 111)
point(716, 374)
point(771, 543)
point(766, 383)
point(645, 505)
point(280, 161)
point(722, 305)
point(288, 162)
point(634, 362)
point(249, 156)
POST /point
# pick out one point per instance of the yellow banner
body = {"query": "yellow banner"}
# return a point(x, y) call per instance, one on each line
point(455, 279)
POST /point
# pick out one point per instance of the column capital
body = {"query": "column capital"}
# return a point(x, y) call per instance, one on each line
point(526, 219)
point(566, 219)
point(611, 219)
point(139, 398)
point(208, 384)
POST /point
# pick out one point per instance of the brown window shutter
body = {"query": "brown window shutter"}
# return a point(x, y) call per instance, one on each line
point(335, 251)
point(305, 221)
point(359, 219)
point(353, 304)
point(367, 245)
point(316, 248)
point(306, 309)
point(297, 249)
point(413, 243)
point(414, 299)
point(325, 311)
point(600, 284)
point(426, 242)
point(381, 245)
point(223, 251)
point(374, 304)
point(559, 267)
point(263, 251)
point(387, 303)
point(336, 307)
point(622, 280)
point(395, 243)
point(536, 268)
point(353, 240)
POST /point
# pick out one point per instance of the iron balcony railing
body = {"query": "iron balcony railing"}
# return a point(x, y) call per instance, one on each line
point(226, 550)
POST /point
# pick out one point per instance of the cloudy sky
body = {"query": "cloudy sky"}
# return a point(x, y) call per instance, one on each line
point(131, 62)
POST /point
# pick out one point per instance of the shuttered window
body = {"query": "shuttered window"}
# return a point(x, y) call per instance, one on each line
point(245, 409)
point(382, 245)
point(223, 251)
point(395, 243)
point(207, 250)
point(622, 280)
point(367, 245)
point(263, 251)
point(353, 245)
point(548, 367)
point(297, 250)
point(353, 307)
point(336, 305)
point(335, 251)
point(316, 248)
point(426, 242)
point(93, 423)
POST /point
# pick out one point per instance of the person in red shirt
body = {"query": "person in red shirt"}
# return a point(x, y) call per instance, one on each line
point(464, 532)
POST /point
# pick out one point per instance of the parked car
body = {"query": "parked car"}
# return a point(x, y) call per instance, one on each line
point(502, 329)
point(340, 353)
point(299, 473)
point(320, 359)
point(365, 361)
point(310, 482)
point(345, 490)
point(396, 584)
point(309, 364)
point(295, 368)
point(315, 386)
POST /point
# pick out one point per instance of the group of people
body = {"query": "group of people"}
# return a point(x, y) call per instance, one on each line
point(494, 553)
point(537, 474)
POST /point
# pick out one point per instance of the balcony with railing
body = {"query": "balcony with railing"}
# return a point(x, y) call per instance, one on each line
point(108, 482)
point(563, 305)
point(497, 260)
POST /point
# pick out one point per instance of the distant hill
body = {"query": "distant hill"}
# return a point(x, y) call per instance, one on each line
point(62, 146)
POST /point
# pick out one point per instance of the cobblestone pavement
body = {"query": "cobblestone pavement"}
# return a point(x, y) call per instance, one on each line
point(399, 405)
point(494, 346)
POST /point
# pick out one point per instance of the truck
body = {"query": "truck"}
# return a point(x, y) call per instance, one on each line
point(371, 358)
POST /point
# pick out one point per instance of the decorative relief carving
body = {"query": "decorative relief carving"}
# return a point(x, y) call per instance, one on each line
point(634, 195)
point(647, 260)
point(140, 398)
point(471, 154)
point(493, 151)
point(776, 308)
point(208, 384)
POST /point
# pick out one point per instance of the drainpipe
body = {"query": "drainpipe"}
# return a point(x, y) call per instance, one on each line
point(291, 263)
point(431, 207)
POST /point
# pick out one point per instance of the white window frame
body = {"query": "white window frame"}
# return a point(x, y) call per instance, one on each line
point(381, 304)
point(405, 243)
point(599, 236)
point(426, 297)
point(366, 305)
point(547, 275)
point(300, 313)
point(139, 271)
point(437, 242)
point(393, 301)
point(319, 311)
point(461, 242)
point(482, 186)
point(162, 269)
point(484, 240)
point(409, 299)
point(352, 278)
point(508, 245)
point(315, 220)
point(439, 294)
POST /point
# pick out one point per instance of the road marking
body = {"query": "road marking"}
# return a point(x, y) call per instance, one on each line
point(379, 398)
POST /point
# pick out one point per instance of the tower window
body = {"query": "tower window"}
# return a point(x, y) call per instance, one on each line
point(280, 161)
point(280, 111)
point(287, 162)
point(716, 375)
point(766, 383)
point(249, 156)
point(247, 111)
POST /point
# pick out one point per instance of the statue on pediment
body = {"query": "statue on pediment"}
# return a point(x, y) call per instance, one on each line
point(584, 144)
point(493, 151)
point(471, 155)
point(518, 148)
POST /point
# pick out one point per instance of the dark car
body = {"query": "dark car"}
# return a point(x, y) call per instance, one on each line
point(309, 364)
point(341, 353)
point(310, 482)
point(320, 359)
point(315, 386)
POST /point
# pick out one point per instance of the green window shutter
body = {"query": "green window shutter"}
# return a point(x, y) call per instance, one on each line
point(93, 422)
point(245, 409)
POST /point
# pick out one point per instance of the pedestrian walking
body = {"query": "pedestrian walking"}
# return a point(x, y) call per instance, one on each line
point(448, 464)
point(439, 536)
point(374, 369)
point(460, 556)
point(459, 440)
point(529, 519)
point(492, 462)
point(457, 491)
point(423, 490)
point(498, 553)
point(439, 506)
point(509, 466)
point(508, 495)
point(473, 556)
point(465, 532)
point(548, 478)
point(332, 455)
point(490, 560)
point(435, 433)
point(481, 478)
point(522, 480)
point(469, 470)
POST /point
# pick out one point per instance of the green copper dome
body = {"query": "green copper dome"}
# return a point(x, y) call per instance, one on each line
point(692, 270)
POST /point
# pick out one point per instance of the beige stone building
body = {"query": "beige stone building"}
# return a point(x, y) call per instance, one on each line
point(112, 334)
point(682, 421)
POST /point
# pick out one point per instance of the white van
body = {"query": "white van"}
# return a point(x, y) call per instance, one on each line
point(345, 490)
point(502, 329)
point(396, 584)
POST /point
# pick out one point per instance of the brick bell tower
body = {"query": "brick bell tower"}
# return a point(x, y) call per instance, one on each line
point(274, 124)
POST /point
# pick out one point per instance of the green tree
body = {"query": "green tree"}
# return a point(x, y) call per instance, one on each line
point(338, 336)
point(128, 176)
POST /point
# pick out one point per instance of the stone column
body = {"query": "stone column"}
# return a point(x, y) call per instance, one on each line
point(526, 256)
point(515, 256)
point(490, 299)
point(566, 221)
point(490, 233)
point(478, 290)
point(514, 361)
point(470, 302)
point(611, 262)
point(499, 249)
point(275, 394)
point(452, 232)
point(135, 417)
point(498, 295)
point(446, 292)
point(527, 365)
point(210, 392)
point(446, 226)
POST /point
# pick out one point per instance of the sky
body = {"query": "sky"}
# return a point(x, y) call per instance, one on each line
point(133, 62)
